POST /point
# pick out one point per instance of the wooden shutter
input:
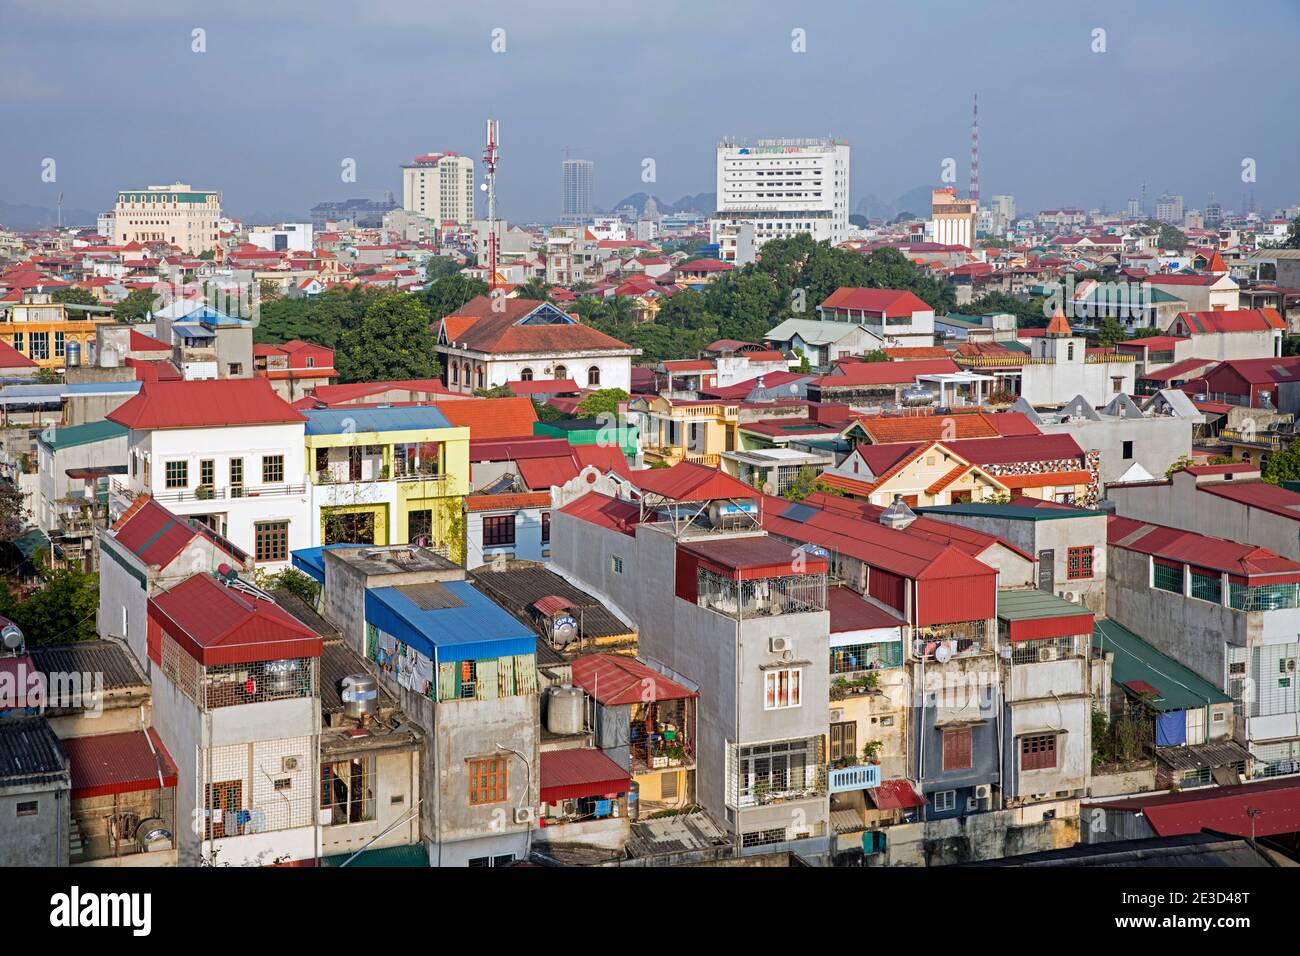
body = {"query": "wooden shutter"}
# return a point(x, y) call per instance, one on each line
point(957, 749)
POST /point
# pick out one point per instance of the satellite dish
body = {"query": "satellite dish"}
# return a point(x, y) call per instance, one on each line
point(943, 653)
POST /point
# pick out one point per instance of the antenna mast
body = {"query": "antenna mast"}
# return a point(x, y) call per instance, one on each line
point(975, 152)
point(490, 168)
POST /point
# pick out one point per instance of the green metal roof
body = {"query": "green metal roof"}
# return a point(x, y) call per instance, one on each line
point(411, 855)
point(58, 437)
point(1014, 512)
point(1135, 660)
point(1025, 604)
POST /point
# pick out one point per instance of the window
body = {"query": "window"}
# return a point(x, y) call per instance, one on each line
point(59, 341)
point(177, 474)
point(546, 527)
point(1079, 566)
point(1168, 579)
point(944, 801)
point(487, 780)
point(235, 368)
point(504, 859)
point(237, 472)
point(783, 688)
point(844, 741)
point(18, 341)
point(526, 375)
point(498, 530)
point(1128, 450)
point(346, 790)
point(271, 540)
point(455, 374)
point(272, 469)
point(1038, 752)
point(40, 345)
point(207, 472)
point(593, 375)
point(957, 749)
point(616, 564)
point(1207, 585)
point(561, 372)
point(28, 808)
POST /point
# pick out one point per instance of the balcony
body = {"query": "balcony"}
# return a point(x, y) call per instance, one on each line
point(209, 492)
point(849, 779)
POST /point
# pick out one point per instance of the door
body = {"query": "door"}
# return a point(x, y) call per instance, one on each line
point(350, 528)
point(419, 527)
point(224, 802)
point(354, 464)
point(1047, 571)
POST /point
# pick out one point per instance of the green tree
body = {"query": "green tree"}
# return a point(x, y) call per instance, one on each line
point(136, 307)
point(877, 356)
point(46, 376)
point(1171, 237)
point(449, 293)
point(1111, 333)
point(804, 484)
point(602, 401)
point(62, 612)
point(1292, 240)
point(1283, 466)
point(13, 517)
point(440, 266)
point(496, 391)
point(73, 296)
point(393, 341)
point(534, 288)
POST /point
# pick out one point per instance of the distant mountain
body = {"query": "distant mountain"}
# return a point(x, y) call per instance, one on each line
point(915, 201)
point(18, 216)
point(700, 202)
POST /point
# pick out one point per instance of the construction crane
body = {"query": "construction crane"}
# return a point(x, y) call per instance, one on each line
point(490, 187)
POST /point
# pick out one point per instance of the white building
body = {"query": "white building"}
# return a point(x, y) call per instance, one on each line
point(785, 187)
point(285, 237)
point(1062, 365)
point(441, 187)
point(229, 452)
point(177, 214)
point(952, 221)
point(579, 182)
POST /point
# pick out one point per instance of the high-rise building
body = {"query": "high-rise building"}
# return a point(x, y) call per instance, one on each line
point(1213, 213)
point(1134, 209)
point(1169, 208)
point(177, 214)
point(579, 179)
point(1004, 213)
point(785, 187)
point(440, 186)
point(953, 219)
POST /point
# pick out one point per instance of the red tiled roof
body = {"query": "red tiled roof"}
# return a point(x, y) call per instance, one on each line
point(213, 403)
point(884, 429)
point(542, 473)
point(883, 373)
point(569, 774)
point(1009, 449)
point(894, 303)
point(216, 624)
point(476, 326)
point(510, 502)
point(1227, 468)
point(492, 417)
point(615, 681)
point(1045, 478)
point(1257, 494)
point(125, 762)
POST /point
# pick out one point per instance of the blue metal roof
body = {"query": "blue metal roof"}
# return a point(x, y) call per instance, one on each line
point(311, 561)
point(342, 421)
point(478, 629)
point(96, 388)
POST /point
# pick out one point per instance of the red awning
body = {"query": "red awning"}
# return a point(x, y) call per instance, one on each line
point(125, 762)
point(1042, 628)
point(897, 794)
point(552, 604)
point(569, 774)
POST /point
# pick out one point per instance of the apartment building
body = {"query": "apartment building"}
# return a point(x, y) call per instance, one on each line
point(43, 332)
point(897, 318)
point(229, 453)
point(440, 186)
point(785, 187)
point(465, 673)
point(178, 215)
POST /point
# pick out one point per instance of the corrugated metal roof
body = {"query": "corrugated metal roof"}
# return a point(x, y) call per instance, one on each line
point(519, 589)
point(850, 611)
point(125, 762)
point(30, 753)
point(58, 437)
point(1275, 806)
point(349, 420)
point(569, 774)
point(1178, 687)
point(615, 681)
point(111, 660)
point(478, 628)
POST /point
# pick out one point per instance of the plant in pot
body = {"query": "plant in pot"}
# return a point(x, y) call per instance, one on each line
point(871, 751)
point(762, 790)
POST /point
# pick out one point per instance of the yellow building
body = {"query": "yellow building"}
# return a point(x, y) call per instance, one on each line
point(388, 476)
point(40, 329)
point(680, 430)
point(925, 474)
point(177, 214)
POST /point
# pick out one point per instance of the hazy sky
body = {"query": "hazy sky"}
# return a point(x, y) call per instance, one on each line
point(112, 91)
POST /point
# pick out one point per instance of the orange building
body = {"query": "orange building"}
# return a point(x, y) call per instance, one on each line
point(41, 330)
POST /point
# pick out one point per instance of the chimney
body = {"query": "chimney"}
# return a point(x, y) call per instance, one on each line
point(898, 515)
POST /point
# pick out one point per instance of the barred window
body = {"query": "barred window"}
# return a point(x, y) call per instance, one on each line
point(1169, 579)
point(1038, 752)
point(1080, 564)
point(487, 780)
point(1207, 586)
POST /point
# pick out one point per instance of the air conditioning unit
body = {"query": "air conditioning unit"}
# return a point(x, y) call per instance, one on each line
point(1046, 654)
point(524, 814)
point(837, 715)
point(983, 792)
point(288, 764)
point(779, 645)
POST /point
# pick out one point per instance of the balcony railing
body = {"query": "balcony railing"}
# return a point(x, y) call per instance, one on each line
point(212, 492)
point(848, 779)
point(1260, 439)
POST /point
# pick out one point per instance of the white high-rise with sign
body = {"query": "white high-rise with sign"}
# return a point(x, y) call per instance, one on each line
point(785, 187)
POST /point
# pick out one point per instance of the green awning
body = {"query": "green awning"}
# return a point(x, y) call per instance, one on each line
point(411, 855)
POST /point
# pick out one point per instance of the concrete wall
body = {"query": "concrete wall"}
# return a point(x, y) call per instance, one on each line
point(958, 690)
point(42, 838)
point(1158, 442)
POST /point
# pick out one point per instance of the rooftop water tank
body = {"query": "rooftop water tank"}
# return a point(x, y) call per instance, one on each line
point(72, 355)
point(565, 710)
point(360, 696)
